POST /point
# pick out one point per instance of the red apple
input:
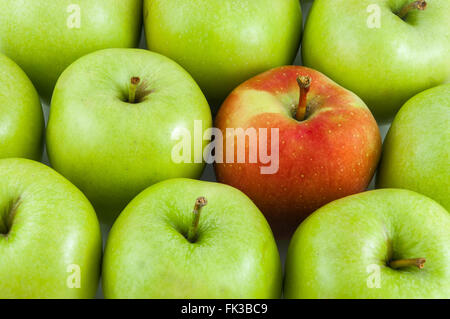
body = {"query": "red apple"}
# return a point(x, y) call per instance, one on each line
point(329, 143)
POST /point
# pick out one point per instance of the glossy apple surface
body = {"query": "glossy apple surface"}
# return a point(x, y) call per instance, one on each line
point(330, 154)
point(417, 147)
point(223, 43)
point(352, 248)
point(367, 48)
point(110, 148)
point(50, 242)
point(44, 37)
point(233, 255)
point(21, 118)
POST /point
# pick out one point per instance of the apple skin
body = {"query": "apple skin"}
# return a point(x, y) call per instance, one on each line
point(332, 154)
point(416, 148)
point(384, 66)
point(112, 149)
point(54, 226)
point(21, 118)
point(223, 43)
point(147, 254)
point(36, 33)
point(335, 251)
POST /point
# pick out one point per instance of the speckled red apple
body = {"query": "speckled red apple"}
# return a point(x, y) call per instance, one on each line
point(329, 152)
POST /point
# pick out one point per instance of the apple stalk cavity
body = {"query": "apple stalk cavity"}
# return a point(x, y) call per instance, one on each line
point(7, 217)
point(199, 204)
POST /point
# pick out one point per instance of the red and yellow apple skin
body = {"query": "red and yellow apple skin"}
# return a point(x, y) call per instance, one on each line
point(331, 154)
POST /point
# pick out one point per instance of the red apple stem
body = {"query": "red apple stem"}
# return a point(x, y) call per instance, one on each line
point(416, 5)
point(199, 204)
point(304, 82)
point(134, 83)
point(402, 263)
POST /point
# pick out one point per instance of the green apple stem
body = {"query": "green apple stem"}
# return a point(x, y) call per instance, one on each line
point(416, 5)
point(304, 82)
point(134, 83)
point(199, 204)
point(402, 263)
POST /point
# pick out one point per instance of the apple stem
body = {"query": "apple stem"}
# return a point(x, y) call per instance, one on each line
point(199, 204)
point(134, 83)
point(402, 263)
point(416, 5)
point(304, 82)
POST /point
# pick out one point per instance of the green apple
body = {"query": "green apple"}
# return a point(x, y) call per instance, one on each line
point(385, 51)
point(387, 243)
point(113, 138)
point(417, 147)
point(223, 43)
point(50, 242)
point(165, 245)
point(21, 118)
point(44, 37)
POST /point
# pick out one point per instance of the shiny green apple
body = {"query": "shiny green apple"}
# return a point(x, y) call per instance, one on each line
point(223, 43)
point(113, 141)
point(416, 151)
point(165, 244)
point(21, 118)
point(50, 242)
point(44, 37)
point(387, 243)
point(385, 51)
